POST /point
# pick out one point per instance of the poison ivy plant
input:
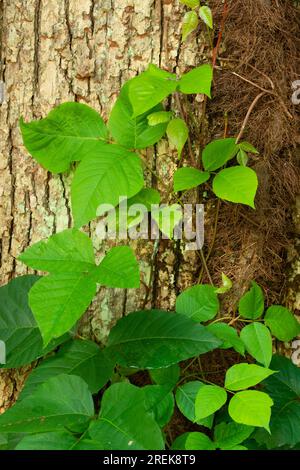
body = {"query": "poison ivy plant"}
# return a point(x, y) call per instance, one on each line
point(251, 305)
point(228, 335)
point(69, 133)
point(200, 303)
point(185, 399)
point(82, 358)
point(138, 339)
point(124, 421)
point(59, 299)
point(188, 178)
point(62, 401)
point(18, 327)
point(177, 132)
point(258, 342)
point(284, 389)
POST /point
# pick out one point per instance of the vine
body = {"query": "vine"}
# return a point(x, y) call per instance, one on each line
point(39, 314)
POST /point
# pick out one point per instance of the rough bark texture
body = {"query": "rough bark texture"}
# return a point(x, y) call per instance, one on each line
point(77, 50)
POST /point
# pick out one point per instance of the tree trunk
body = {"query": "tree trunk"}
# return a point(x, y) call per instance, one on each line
point(76, 50)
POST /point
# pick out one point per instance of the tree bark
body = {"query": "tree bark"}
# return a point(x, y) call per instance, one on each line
point(79, 50)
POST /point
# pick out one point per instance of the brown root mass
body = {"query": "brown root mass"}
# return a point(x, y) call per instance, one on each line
point(261, 43)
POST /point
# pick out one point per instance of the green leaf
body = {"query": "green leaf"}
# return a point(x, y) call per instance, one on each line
point(246, 147)
point(178, 133)
point(258, 342)
point(70, 251)
point(218, 152)
point(153, 339)
point(61, 402)
point(124, 423)
point(251, 304)
point(77, 357)
point(135, 132)
point(150, 88)
point(206, 16)
point(167, 218)
point(200, 303)
point(282, 323)
point(209, 399)
point(168, 376)
point(189, 24)
point(228, 335)
point(48, 441)
point(185, 400)
point(241, 376)
point(197, 81)
point(69, 133)
point(18, 328)
point(284, 389)
point(146, 197)
point(190, 3)
point(229, 435)
point(103, 179)
point(119, 268)
point(159, 401)
point(236, 184)
point(198, 441)
point(226, 285)
point(188, 178)
point(58, 301)
point(159, 117)
point(242, 158)
point(252, 408)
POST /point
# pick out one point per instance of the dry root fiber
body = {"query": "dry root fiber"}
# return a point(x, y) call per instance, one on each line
point(261, 43)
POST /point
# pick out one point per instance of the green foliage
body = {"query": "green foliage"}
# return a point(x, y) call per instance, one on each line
point(252, 408)
point(218, 152)
point(185, 399)
point(209, 399)
point(18, 328)
point(188, 178)
point(236, 184)
point(124, 422)
point(251, 305)
point(228, 335)
point(258, 342)
point(229, 435)
point(200, 303)
point(104, 180)
point(205, 14)
point(58, 300)
point(190, 3)
point(198, 80)
point(138, 339)
point(177, 132)
point(150, 88)
point(55, 409)
point(167, 376)
point(284, 389)
point(198, 441)
point(282, 323)
point(62, 401)
point(242, 376)
point(69, 133)
point(135, 132)
point(226, 285)
point(82, 358)
point(189, 24)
